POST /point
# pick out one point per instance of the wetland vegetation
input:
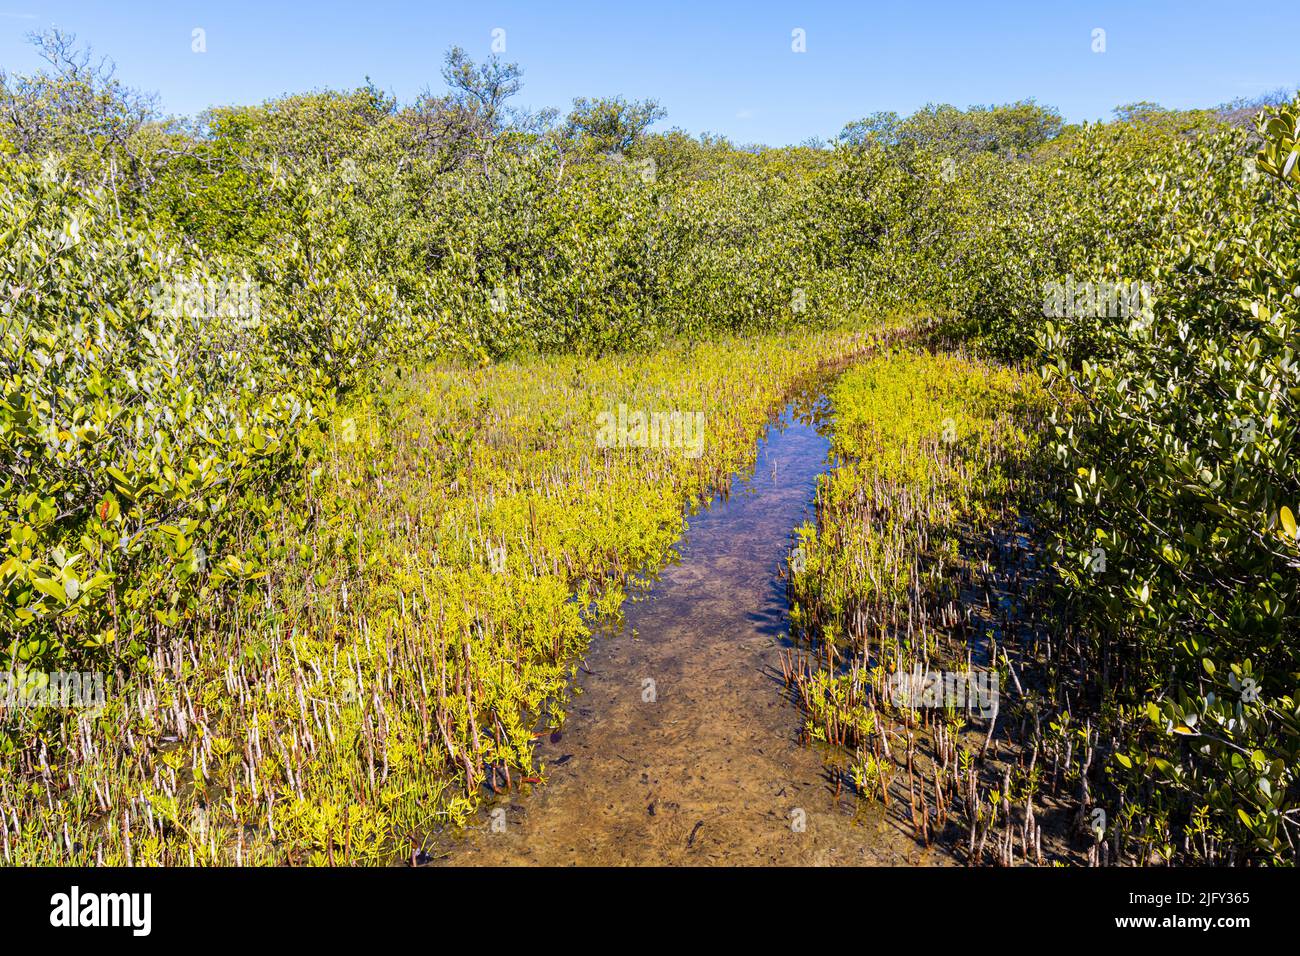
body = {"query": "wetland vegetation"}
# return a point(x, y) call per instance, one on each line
point(332, 428)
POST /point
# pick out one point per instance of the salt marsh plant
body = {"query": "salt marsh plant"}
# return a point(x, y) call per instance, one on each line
point(900, 576)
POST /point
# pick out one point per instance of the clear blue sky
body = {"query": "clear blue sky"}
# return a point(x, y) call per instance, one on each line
point(725, 67)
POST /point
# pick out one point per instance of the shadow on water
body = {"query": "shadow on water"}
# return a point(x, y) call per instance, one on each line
point(678, 747)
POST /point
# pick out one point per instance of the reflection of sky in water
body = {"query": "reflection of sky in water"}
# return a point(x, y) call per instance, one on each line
point(733, 550)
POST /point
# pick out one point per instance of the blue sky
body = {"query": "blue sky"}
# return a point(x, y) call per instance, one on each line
point(724, 67)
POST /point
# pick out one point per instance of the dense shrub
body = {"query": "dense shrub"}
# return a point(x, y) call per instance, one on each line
point(1179, 486)
point(144, 428)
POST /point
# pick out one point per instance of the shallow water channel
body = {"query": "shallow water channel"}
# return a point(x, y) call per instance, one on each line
point(681, 746)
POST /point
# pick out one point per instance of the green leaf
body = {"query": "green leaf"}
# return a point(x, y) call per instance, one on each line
point(1288, 521)
point(51, 587)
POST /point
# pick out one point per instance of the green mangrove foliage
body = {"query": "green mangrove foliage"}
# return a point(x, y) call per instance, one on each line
point(1152, 269)
point(1175, 506)
point(200, 322)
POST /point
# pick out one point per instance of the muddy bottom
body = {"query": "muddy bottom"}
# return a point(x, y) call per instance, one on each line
point(681, 746)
